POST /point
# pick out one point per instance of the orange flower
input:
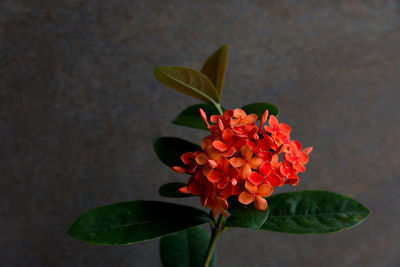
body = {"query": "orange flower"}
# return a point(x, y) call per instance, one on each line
point(279, 131)
point(256, 194)
point(239, 158)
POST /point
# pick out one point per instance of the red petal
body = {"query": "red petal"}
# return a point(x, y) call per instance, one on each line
point(229, 152)
point(264, 118)
point(214, 176)
point(184, 190)
point(292, 179)
point(303, 158)
point(220, 125)
point(214, 118)
point(212, 163)
point(179, 169)
point(255, 178)
point(273, 121)
point(274, 180)
point(265, 168)
point(203, 117)
point(284, 128)
point(187, 158)
point(308, 150)
point(274, 161)
point(264, 145)
point(236, 162)
point(239, 113)
point(220, 145)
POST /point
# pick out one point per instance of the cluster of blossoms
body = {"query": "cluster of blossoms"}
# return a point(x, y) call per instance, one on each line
point(241, 158)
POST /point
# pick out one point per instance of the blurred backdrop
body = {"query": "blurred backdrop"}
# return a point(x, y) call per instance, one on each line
point(79, 107)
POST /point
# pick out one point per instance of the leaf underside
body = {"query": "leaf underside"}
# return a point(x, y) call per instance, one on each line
point(187, 81)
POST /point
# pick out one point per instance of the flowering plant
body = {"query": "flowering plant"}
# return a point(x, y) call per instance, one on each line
point(247, 154)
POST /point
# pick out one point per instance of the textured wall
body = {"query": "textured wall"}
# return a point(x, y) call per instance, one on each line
point(79, 106)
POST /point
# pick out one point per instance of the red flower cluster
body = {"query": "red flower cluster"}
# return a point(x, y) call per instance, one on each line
point(239, 158)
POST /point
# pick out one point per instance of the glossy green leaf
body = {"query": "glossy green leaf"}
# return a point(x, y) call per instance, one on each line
point(188, 81)
point(186, 248)
point(313, 212)
point(171, 190)
point(170, 149)
point(259, 108)
point(246, 216)
point(215, 67)
point(131, 222)
point(190, 116)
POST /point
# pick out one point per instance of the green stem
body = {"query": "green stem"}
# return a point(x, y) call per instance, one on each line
point(218, 107)
point(217, 230)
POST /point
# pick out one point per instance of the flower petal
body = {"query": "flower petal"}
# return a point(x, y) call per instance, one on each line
point(246, 152)
point(292, 180)
point(265, 190)
point(187, 158)
point(273, 121)
point(265, 168)
point(214, 176)
point(179, 169)
point(220, 145)
point(246, 197)
point(255, 178)
point(203, 117)
point(184, 190)
point(239, 113)
point(201, 158)
point(260, 203)
point(264, 118)
point(284, 128)
point(308, 150)
point(255, 162)
point(245, 171)
point(274, 180)
point(236, 162)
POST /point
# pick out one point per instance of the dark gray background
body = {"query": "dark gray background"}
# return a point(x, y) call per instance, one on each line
point(79, 107)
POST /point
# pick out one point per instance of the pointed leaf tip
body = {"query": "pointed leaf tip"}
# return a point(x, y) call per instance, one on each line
point(215, 66)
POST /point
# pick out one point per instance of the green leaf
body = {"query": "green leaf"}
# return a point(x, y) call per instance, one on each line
point(246, 216)
point(170, 149)
point(185, 248)
point(313, 212)
point(188, 81)
point(190, 116)
point(259, 108)
point(215, 67)
point(171, 190)
point(131, 222)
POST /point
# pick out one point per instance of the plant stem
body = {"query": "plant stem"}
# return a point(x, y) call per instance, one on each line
point(216, 232)
point(218, 107)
